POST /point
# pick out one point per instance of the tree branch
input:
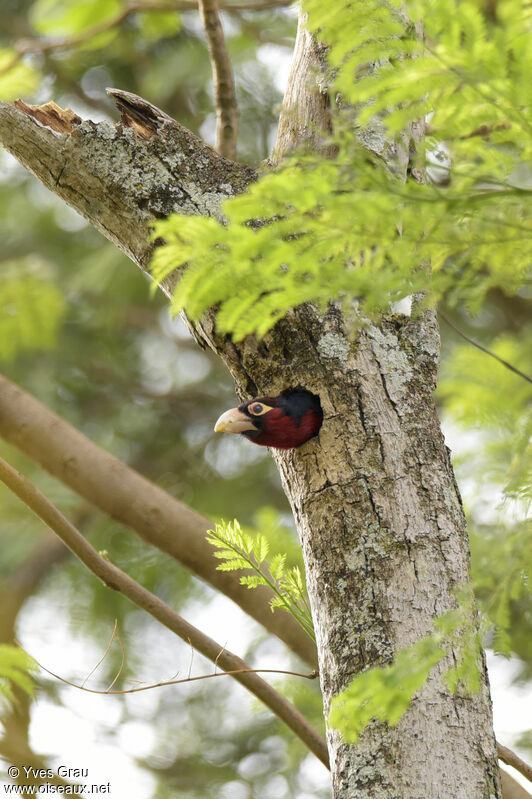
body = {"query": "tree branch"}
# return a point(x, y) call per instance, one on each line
point(134, 501)
point(18, 586)
point(115, 578)
point(223, 81)
point(511, 789)
point(483, 348)
point(305, 119)
point(165, 683)
point(511, 759)
point(120, 177)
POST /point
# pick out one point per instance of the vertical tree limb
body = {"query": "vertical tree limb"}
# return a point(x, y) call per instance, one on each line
point(223, 80)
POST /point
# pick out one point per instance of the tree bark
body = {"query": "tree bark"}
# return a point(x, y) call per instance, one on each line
point(374, 497)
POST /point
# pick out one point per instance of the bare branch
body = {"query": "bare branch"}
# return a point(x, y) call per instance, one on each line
point(165, 683)
point(511, 759)
point(223, 81)
point(89, 165)
point(101, 660)
point(133, 500)
point(483, 348)
point(115, 578)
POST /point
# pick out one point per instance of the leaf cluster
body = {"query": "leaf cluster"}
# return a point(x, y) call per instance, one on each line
point(16, 670)
point(491, 408)
point(351, 228)
point(502, 575)
point(241, 551)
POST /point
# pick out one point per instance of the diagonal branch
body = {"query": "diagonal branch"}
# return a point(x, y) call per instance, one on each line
point(482, 348)
point(121, 177)
point(224, 84)
point(511, 759)
point(133, 500)
point(115, 578)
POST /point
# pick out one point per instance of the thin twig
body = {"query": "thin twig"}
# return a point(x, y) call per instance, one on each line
point(483, 348)
point(164, 683)
point(218, 657)
point(101, 660)
point(192, 658)
point(223, 81)
point(115, 578)
point(511, 759)
point(119, 672)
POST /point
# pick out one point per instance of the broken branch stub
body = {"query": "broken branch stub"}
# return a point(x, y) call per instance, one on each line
point(120, 176)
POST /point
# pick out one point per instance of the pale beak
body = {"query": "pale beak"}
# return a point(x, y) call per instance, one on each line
point(233, 421)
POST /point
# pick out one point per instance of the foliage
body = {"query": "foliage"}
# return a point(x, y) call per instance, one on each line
point(497, 455)
point(136, 384)
point(502, 574)
point(472, 386)
point(446, 58)
point(241, 551)
point(348, 228)
point(16, 670)
point(31, 311)
point(384, 693)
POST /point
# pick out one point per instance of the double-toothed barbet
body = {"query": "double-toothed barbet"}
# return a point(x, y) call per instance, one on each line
point(284, 422)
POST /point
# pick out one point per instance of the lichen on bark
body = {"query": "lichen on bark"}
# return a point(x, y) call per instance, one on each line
point(376, 505)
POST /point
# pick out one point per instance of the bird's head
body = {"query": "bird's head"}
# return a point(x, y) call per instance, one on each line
point(284, 422)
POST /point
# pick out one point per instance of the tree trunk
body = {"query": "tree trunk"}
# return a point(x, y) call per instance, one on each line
point(374, 497)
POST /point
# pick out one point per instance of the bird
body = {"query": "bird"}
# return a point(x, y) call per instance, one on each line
point(283, 422)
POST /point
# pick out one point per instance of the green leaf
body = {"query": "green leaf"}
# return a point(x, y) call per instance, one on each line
point(253, 581)
point(384, 693)
point(260, 549)
point(277, 566)
point(242, 551)
point(233, 565)
point(16, 669)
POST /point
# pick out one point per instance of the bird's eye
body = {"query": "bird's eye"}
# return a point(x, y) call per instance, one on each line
point(256, 409)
